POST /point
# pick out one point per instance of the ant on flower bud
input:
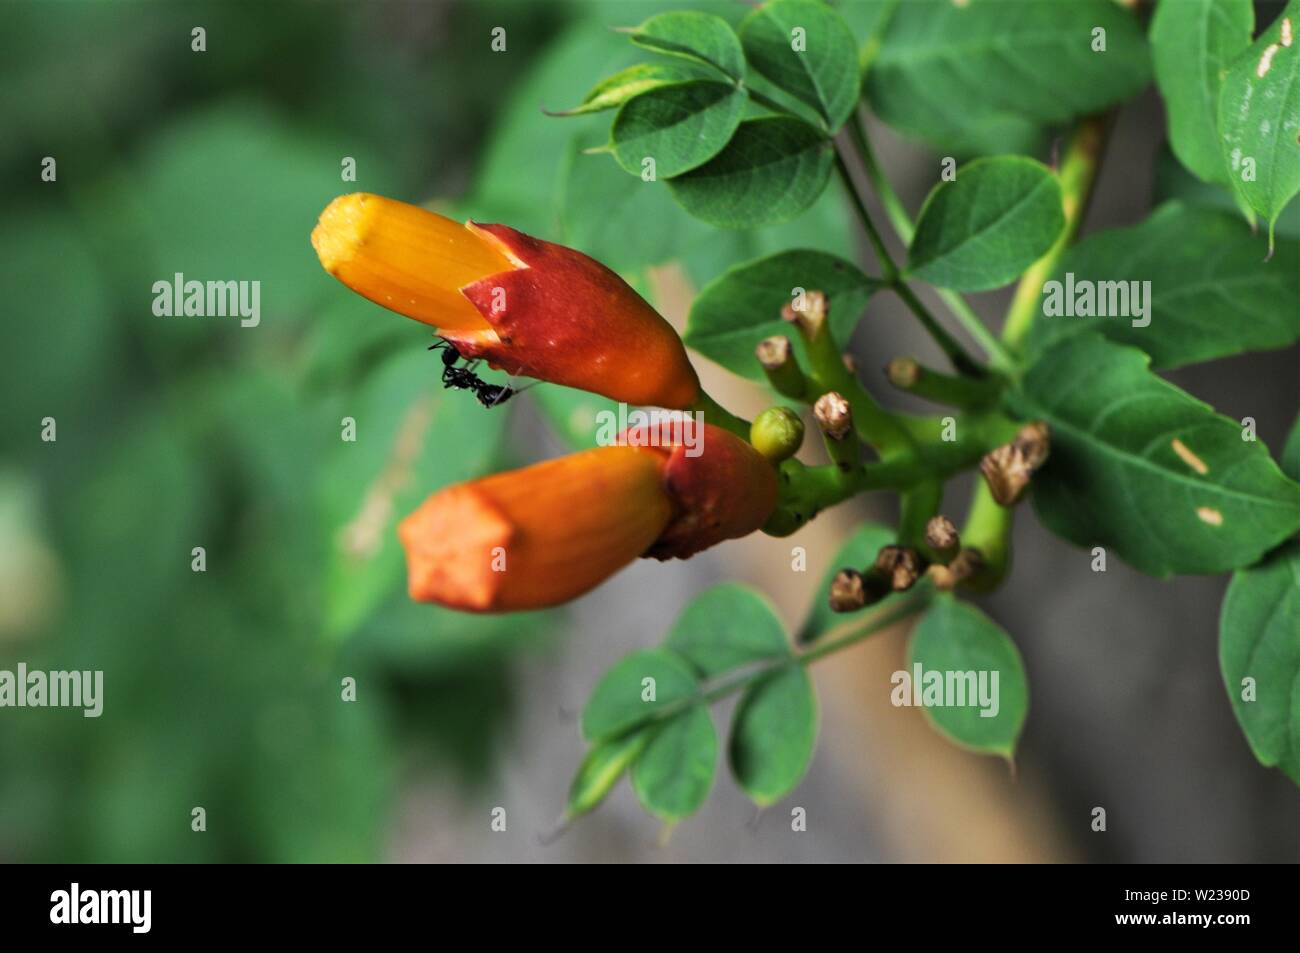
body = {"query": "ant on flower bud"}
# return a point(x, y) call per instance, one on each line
point(464, 378)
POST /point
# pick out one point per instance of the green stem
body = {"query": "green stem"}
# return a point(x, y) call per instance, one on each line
point(956, 354)
point(826, 362)
point(988, 529)
point(719, 416)
point(896, 212)
point(1077, 175)
point(908, 375)
point(888, 270)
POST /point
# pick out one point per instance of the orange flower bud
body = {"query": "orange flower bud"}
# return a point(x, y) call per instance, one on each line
point(528, 306)
point(536, 537)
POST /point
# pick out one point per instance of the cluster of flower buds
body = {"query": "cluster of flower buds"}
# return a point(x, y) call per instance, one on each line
point(897, 568)
point(547, 533)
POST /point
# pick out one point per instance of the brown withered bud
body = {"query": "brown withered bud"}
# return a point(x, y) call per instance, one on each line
point(901, 565)
point(942, 537)
point(966, 564)
point(848, 593)
point(774, 353)
point(903, 372)
point(811, 315)
point(850, 363)
point(1007, 468)
point(833, 415)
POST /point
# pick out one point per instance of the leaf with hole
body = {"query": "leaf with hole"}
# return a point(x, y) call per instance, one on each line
point(1193, 42)
point(1142, 467)
point(1259, 119)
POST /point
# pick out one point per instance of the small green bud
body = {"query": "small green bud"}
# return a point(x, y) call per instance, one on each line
point(777, 433)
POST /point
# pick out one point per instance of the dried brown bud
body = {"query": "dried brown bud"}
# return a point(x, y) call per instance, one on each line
point(1007, 469)
point(901, 565)
point(1034, 441)
point(967, 563)
point(774, 353)
point(941, 536)
point(834, 415)
point(811, 314)
point(850, 363)
point(903, 372)
point(848, 593)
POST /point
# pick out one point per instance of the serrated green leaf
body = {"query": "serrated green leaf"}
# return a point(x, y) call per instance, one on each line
point(673, 776)
point(613, 91)
point(625, 696)
point(601, 769)
point(679, 126)
point(955, 638)
point(728, 627)
point(700, 37)
point(1144, 468)
point(968, 76)
point(1259, 639)
point(773, 734)
point(1211, 294)
point(805, 48)
point(982, 230)
point(1259, 119)
point(742, 306)
point(1193, 42)
point(773, 168)
point(857, 552)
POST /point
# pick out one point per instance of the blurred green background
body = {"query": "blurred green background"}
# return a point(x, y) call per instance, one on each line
point(222, 688)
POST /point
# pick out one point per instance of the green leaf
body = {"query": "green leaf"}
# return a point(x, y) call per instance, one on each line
point(1210, 294)
point(624, 697)
point(1193, 42)
point(1259, 639)
point(613, 91)
point(1138, 465)
point(955, 637)
point(742, 306)
point(601, 769)
point(728, 627)
point(700, 37)
point(1259, 132)
point(805, 48)
point(982, 230)
point(405, 422)
point(858, 552)
point(773, 168)
point(1172, 181)
point(1291, 452)
point(773, 734)
point(679, 126)
point(982, 76)
point(672, 778)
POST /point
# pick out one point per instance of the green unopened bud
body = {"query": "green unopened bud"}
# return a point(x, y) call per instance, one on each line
point(777, 433)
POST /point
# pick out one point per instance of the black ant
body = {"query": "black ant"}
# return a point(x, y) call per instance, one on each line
point(464, 378)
